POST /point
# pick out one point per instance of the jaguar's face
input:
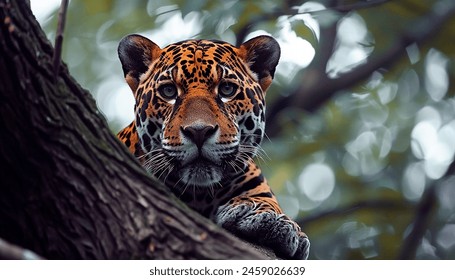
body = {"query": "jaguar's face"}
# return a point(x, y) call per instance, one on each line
point(199, 104)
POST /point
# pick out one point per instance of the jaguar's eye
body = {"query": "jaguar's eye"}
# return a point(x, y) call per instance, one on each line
point(168, 91)
point(227, 89)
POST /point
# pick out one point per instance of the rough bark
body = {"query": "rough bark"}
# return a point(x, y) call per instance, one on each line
point(68, 188)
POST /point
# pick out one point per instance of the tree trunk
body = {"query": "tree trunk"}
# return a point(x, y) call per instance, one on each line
point(68, 188)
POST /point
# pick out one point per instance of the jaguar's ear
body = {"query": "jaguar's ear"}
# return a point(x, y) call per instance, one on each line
point(262, 54)
point(136, 54)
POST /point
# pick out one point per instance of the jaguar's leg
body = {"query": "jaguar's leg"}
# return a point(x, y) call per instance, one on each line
point(256, 216)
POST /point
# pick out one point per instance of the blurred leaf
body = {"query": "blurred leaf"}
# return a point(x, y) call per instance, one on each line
point(304, 31)
point(96, 7)
point(190, 6)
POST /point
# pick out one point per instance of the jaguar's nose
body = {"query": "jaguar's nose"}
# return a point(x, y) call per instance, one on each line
point(199, 134)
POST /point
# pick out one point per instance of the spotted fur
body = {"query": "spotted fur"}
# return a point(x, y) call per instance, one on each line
point(199, 122)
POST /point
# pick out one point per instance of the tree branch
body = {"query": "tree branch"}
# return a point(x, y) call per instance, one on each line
point(424, 211)
point(310, 96)
point(290, 10)
point(328, 34)
point(359, 5)
point(352, 208)
point(83, 195)
point(59, 35)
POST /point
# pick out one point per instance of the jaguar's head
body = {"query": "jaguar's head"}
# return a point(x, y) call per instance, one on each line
point(199, 104)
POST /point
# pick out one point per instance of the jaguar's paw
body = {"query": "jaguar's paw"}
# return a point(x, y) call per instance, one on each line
point(269, 229)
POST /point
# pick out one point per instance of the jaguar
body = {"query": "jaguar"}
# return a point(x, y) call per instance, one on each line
point(199, 121)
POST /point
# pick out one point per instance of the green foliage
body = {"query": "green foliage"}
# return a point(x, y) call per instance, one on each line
point(384, 141)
